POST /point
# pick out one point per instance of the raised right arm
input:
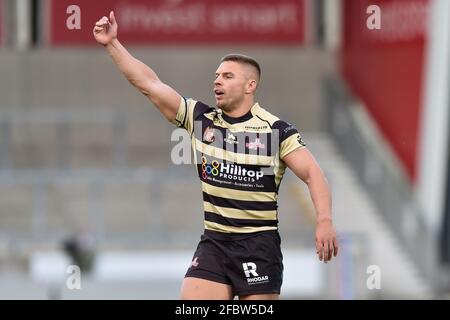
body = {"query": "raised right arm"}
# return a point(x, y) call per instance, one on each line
point(166, 99)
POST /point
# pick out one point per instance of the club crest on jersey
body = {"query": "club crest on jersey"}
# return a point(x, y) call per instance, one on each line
point(208, 135)
point(255, 144)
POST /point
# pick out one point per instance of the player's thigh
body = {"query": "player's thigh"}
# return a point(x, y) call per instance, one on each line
point(201, 289)
point(268, 296)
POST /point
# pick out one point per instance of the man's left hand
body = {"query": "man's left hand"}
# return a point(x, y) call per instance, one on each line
point(326, 241)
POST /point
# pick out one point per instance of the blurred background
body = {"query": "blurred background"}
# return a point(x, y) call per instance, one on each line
point(86, 176)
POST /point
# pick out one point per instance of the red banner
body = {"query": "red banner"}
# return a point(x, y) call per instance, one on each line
point(384, 68)
point(181, 21)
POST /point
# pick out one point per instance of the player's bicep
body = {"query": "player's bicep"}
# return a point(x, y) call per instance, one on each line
point(301, 162)
point(164, 97)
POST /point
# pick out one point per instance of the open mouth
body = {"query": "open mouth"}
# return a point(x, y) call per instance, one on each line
point(218, 93)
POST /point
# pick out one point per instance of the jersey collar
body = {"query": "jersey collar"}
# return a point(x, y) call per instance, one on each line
point(243, 118)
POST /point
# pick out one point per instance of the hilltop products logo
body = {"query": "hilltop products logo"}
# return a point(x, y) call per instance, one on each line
point(229, 171)
point(208, 169)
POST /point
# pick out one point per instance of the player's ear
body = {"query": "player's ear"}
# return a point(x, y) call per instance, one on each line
point(251, 86)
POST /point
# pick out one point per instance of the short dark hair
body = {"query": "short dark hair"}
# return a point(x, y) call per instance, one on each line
point(242, 59)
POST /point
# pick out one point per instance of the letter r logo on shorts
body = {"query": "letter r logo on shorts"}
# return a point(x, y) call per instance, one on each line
point(249, 268)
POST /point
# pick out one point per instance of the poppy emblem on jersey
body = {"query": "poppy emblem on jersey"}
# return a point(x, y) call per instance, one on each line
point(255, 145)
point(208, 135)
point(217, 121)
point(208, 169)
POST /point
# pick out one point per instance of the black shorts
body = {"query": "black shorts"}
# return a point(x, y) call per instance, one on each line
point(253, 265)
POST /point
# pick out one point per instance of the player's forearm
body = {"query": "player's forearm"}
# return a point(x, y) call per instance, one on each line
point(137, 73)
point(320, 194)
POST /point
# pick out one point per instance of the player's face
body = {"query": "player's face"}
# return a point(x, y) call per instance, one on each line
point(230, 85)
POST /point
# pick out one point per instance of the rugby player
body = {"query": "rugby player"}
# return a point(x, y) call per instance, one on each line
point(241, 151)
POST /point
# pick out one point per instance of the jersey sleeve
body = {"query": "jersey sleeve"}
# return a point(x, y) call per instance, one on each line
point(289, 138)
point(189, 111)
point(185, 113)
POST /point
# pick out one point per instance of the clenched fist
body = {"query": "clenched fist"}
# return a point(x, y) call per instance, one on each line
point(105, 30)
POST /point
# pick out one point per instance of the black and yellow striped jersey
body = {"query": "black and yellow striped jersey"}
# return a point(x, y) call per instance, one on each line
point(239, 165)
